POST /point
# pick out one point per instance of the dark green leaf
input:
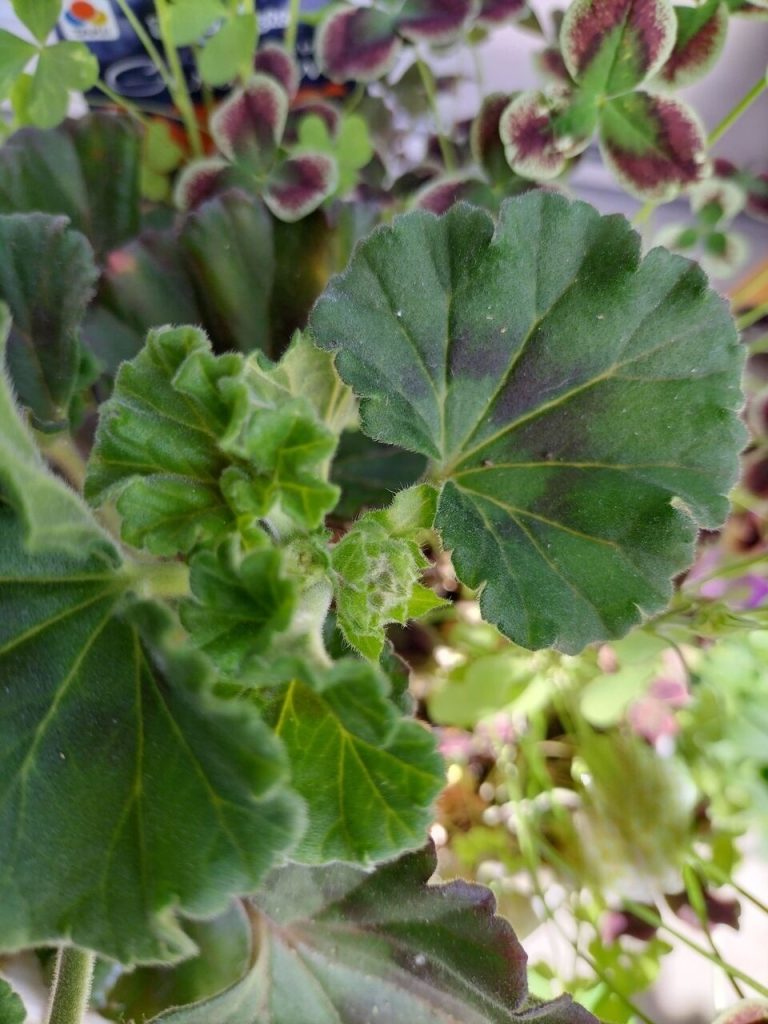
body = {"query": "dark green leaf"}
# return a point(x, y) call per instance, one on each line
point(340, 946)
point(87, 169)
point(47, 277)
point(369, 473)
point(224, 954)
point(368, 775)
point(579, 403)
point(610, 46)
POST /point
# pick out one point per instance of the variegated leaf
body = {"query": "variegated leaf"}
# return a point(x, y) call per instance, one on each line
point(434, 21)
point(249, 125)
point(299, 185)
point(701, 33)
point(536, 143)
point(356, 43)
point(275, 61)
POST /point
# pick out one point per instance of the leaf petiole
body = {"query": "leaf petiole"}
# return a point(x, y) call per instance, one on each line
point(71, 988)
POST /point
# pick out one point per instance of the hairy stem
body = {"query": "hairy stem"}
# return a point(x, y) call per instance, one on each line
point(71, 988)
point(428, 81)
point(120, 101)
point(178, 83)
point(752, 316)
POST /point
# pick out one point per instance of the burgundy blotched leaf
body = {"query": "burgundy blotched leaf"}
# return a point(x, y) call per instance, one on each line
point(356, 43)
point(434, 21)
point(496, 12)
point(550, 63)
point(440, 195)
point(611, 46)
point(300, 184)
point(249, 125)
point(328, 114)
point(276, 62)
point(655, 145)
point(484, 138)
point(757, 197)
point(701, 33)
point(201, 181)
point(533, 146)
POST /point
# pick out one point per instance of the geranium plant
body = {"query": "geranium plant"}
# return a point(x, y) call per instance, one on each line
point(235, 442)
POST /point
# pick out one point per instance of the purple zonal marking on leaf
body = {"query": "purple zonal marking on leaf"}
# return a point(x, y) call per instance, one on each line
point(674, 159)
point(551, 64)
point(484, 137)
point(249, 125)
point(440, 195)
point(694, 56)
point(277, 63)
point(300, 184)
point(648, 25)
point(327, 113)
point(531, 143)
point(496, 12)
point(356, 43)
point(200, 181)
point(434, 21)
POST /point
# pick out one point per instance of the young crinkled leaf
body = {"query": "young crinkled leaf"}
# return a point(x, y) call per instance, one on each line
point(240, 602)
point(47, 278)
point(545, 369)
point(378, 564)
point(369, 776)
point(338, 945)
point(699, 41)
point(113, 748)
point(611, 46)
point(190, 441)
point(654, 144)
point(11, 1007)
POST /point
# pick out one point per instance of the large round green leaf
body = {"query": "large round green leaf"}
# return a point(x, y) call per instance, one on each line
point(579, 404)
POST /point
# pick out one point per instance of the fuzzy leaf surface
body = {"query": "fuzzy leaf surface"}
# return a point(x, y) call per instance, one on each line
point(11, 1007)
point(114, 749)
point(339, 946)
point(544, 368)
point(87, 169)
point(47, 278)
point(369, 776)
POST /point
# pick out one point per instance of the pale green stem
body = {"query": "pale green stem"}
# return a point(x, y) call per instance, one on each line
point(71, 988)
point(428, 81)
point(733, 115)
point(120, 101)
point(658, 922)
point(747, 319)
point(146, 41)
point(723, 878)
point(178, 86)
point(62, 452)
point(291, 29)
point(727, 122)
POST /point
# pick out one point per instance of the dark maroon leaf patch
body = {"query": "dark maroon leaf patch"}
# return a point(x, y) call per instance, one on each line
point(249, 125)
point(276, 62)
point(533, 143)
point(496, 12)
point(300, 184)
point(701, 33)
point(357, 43)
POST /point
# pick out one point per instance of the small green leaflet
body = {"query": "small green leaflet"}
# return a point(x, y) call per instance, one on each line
point(38, 15)
point(378, 564)
point(63, 68)
point(11, 1007)
point(338, 945)
point(369, 776)
point(579, 403)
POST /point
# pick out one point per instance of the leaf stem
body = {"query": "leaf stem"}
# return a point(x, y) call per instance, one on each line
point(735, 113)
point(178, 83)
point(71, 988)
point(292, 27)
point(428, 81)
point(752, 316)
point(658, 922)
point(62, 452)
point(120, 101)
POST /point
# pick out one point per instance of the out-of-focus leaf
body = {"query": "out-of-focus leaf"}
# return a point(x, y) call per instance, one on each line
point(15, 54)
point(340, 945)
point(47, 277)
point(11, 1007)
point(493, 362)
point(275, 61)
point(60, 69)
point(38, 15)
point(434, 21)
point(655, 145)
point(356, 43)
point(699, 41)
point(230, 51)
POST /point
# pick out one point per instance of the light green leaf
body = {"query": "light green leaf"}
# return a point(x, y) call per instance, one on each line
point(53, 516)
point(15, 54)
point(378, 581)
point(46, 306)
point(38, 15)
point(369, 776)
point(340, 945)
point(190, 19)
point(579, 403)
point(240, 603)
point(230, 52)
point(11, 1007)
point(62, 68)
